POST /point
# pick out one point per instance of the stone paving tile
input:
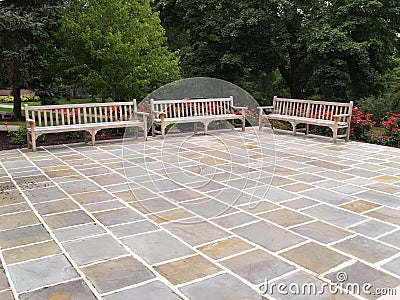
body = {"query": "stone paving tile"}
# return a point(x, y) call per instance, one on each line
point(187, 269)
point(386, 214)
point(76, 289)
point(41, 272)
point(257, 265)
point(42, 195)
point(108, 179)
point(366, 249)
point(210, 289)
point(117, 216)
point(3, 279)
point(105, 205)
point(225, 248)
point(6, 295)
point(24, 253)
point(133, 228)
point(14, 208)
point(393, 266)
point(359, 206)
point(285, 217)
point(372, 228)
point(362, 274)
point(258, 206)
point(381, 198)
point(233, 220)
point(92, 197)
point(315, 257)
point(327, 196)
point(16, 220)
point(208, 208)
point(79, 186)
point(117, 273)
point(150, 291)
point(321, 232)
point(152, 205)
point(67, 219)
point(77, 232)
point(94, 249)
point(156, 247)
point(276, 239)
point(170, 215)
point(338, 217)
point(196, 231)
point(23, 235)
point(299, 203)
point(57, 206)
point(393, 238)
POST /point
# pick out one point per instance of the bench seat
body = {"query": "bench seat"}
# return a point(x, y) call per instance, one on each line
point(335, 115)
point(165, 112)
point(90, 118)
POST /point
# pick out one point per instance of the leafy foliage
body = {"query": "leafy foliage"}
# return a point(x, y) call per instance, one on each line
point(114, 48)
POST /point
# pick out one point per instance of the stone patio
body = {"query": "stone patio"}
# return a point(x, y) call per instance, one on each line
point(199, 217)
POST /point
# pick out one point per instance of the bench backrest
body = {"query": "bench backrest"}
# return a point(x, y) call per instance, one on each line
point(192, 107)
point(68, 114)
point(311, 109)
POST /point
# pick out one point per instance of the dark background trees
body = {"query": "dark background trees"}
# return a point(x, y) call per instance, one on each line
point(25, 31)
point(339, 50)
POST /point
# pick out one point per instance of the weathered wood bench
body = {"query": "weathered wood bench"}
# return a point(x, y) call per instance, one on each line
point(89, 118)
point(334, 115)
point(165, 112)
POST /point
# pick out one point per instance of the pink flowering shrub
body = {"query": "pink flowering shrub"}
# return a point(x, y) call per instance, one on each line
point(389, 133)
point(361, 125)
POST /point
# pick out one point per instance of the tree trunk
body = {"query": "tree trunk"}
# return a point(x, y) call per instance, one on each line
point(291, 76)
point(16, 92)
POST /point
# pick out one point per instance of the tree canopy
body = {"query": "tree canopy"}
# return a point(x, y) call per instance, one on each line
point(338, 49)
point(114, 48)
point(25, 30)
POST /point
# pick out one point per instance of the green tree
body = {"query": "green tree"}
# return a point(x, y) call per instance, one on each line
point(114, 48)
point(337, 49)
point(25, 30)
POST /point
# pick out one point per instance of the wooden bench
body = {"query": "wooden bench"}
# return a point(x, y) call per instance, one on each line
point(334, 115)
point(165, 112)
point(81, 117)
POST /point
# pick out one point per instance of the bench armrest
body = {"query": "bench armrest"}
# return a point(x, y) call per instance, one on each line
point(143, 113)
point(30, 121)
point(341, 115)
point(240, 107)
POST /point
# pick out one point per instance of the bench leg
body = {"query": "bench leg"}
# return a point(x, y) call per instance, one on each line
point(145, 130)
point(260, 121)
point(163, 130)
point(195, 127)
point(28, 140)
point(335, 133)
point(294, 125)
point(93, 134)
point(347, 134)
point(244, 123)
point(233, 124)
point(33, 137)
point(272, 124)
point(136, 132)
point(307, 128)
point(85, 134)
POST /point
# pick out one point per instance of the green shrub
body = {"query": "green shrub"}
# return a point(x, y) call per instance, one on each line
point(18, 137)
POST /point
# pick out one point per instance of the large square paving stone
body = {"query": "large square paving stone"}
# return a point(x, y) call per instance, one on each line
point(220, 287)
point(150, 291)
point(23, 235)
point(315, 257)
point(45, 194)
point(117, 216)
point(224, 248)
point(41, 272)
point(72, 290)
point(366, 249)
point(257, 266)
point(156, 247)
point(336, 216)
point(67, 219)
point(187, 269)
point(196, 232)
point(16, 220)
point(94, 249)
point(117, 273)
point(268, 235)
point(321, 232)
